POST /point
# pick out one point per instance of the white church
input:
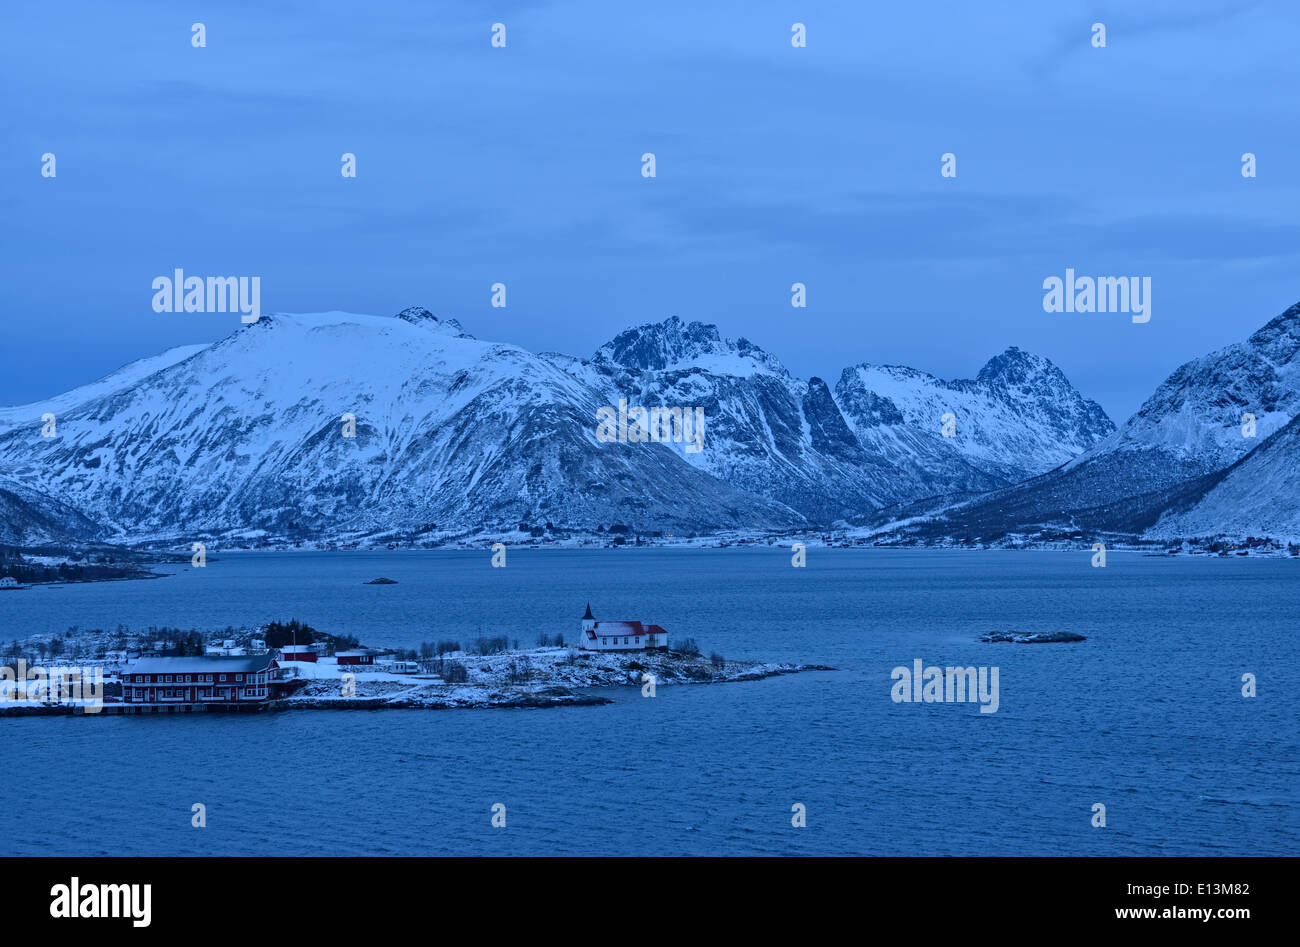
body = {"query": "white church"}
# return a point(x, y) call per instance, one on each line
point(619, 635)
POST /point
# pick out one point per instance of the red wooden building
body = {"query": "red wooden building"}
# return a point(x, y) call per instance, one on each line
point(299, 652)
point(210, 679)
point(359, 656)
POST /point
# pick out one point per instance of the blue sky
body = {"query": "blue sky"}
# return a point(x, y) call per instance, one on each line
point(775, 165)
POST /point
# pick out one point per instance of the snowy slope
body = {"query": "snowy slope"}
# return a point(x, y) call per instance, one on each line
point(1194, 418)
point(1257, 496)
point(125, 377)
point(30, 518)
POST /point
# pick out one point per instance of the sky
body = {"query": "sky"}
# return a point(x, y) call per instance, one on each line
point(774, 165)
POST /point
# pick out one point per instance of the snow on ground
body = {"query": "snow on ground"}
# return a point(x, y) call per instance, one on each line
point(536, 676)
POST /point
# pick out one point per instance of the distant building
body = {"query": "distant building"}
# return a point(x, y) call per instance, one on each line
point(360, 656)
point(619, 635)
point(8, 582)
point(225, 649)
point(252, 679)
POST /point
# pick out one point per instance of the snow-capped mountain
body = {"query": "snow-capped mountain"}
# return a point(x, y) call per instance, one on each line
point(1018, 417)
point(1192, 424)
point(246, 438)
point(1165, 456)
point(768, 432)
point(832, 455)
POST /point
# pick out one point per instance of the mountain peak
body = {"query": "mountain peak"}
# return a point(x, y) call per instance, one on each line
point(419, 316)
point(1020, 417)
point(673, 343)
point(1015, 366)
point(1279, 338)
point(657, 345)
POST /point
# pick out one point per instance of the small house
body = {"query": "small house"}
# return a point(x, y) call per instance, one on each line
point(299, 652)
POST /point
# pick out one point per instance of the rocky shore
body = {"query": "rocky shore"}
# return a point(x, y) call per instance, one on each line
point(535, 677)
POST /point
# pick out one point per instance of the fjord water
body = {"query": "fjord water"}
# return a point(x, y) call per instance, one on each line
point(1145, 717)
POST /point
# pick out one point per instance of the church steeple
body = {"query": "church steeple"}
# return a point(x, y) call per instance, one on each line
point(588, 616)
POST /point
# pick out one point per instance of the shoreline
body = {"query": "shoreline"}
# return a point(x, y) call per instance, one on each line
point(436, 695)
point(1227, 550)
point(143, 574)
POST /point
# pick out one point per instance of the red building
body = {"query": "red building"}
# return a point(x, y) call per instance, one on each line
point(299, 652)
point(207, 680)
point(360, 656)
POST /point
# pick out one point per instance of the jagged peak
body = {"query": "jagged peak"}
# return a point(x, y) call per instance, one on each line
point(1016, 366)
point(419, 316)
point(655, 346)
point(906, 372)
point(1011, 366)
point(1280, 335)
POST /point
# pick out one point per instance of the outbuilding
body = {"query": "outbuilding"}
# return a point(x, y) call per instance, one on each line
point(299, 652)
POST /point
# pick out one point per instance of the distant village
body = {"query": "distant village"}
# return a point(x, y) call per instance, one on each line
point(169, 670)
point(23, 568)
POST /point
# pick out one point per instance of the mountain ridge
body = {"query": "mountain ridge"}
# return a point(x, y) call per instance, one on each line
point(242, 438)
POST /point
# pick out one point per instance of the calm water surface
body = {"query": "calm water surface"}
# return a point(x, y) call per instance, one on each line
point(1146, 716)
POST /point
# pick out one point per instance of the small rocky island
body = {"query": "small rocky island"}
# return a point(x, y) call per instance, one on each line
point(1031, 637)
point(382, 580)
point(533, 677)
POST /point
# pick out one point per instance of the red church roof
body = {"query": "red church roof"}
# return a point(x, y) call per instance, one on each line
point(620, 627)
point(615, 629)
